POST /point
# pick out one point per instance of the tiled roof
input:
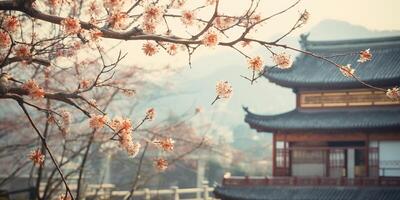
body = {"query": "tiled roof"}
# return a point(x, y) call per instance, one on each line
point(306, 193)
point(309, 72)
point(327, 120)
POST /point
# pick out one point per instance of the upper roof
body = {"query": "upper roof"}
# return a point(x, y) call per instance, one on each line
point(309, 193)
point(327, 120)
point(309, 72)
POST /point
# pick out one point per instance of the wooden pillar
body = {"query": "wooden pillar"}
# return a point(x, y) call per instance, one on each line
point(345, 163)
point(367, 156)
point(327, 163)
point(273, 154)
point(290, 159)
point(285, 153)
point(378, 160)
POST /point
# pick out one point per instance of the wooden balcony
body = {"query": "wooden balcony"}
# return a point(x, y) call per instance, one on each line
point(311, 181)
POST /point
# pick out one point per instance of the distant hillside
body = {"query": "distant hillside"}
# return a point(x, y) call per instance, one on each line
point(339, 30)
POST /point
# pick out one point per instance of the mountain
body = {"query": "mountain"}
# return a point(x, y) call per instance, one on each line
point(338, 30)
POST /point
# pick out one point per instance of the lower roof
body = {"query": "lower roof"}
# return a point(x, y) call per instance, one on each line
point(307, 193)
point(327, 120)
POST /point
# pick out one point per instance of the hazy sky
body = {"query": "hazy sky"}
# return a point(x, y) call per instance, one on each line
point(372, 14)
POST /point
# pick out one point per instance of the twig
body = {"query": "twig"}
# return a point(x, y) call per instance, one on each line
point(21, 104)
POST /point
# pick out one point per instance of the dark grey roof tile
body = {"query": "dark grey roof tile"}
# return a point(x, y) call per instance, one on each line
point(329, 120)
point(309, 72)
point(307, 193)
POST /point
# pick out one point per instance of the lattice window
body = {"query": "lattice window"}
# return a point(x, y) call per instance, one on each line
point(308, 156)
point(337, 163)
point(373, 162)
point(344, 98)
point(282, 162)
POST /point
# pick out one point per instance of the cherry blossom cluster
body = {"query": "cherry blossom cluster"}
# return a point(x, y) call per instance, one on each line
point(210, 39)
point(161, 164)
point(34, 90)
point(152, 15)
point(11, 23)
point(223, 90)
point(283, 60)
point(22, 51)
point(37, 157)
point(393, 93)
point(71, 25)
point(64, 197)
point(5, 40)
point(66, 119)
point(124, 128)
point(256, 64)
point(98, 121)
point(188, 17)
point(166, 144)
point(347, 70)
point(304, 17)
point(150, 114)
point(364, 56)
point(223, 23)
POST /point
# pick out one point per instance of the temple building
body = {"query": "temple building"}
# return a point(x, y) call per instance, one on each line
point(342, 141)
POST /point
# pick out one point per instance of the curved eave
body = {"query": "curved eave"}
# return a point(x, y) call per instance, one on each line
point(384, 119)
point(331, 85)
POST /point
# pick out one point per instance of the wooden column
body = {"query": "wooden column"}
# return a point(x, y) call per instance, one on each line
point(273, 154)
point(327, 163)
point(290, 159)
point(285, 165)
point(367, 155)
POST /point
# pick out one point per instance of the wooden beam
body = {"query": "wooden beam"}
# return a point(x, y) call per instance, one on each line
point(367, 156)
point(332, 137)
point(274, 155)
point(384, 136)
point(320, 137)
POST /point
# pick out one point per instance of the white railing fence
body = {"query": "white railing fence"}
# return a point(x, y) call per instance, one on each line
point(174, 193)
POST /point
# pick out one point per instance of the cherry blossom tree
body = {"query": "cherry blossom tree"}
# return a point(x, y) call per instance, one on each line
point(55, 61)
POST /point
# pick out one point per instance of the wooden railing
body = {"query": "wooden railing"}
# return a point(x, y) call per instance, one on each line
point(310, 181)
point(174, 193)
point(108, 191)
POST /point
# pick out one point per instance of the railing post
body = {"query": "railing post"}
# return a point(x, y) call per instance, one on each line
point(266, 181)
point(205, 190)
point(32, 193)
point(147, 194)
point(295, 181)
point(109, 193)
point(175, 192)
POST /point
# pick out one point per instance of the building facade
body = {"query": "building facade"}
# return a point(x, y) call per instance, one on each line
point(342, 141)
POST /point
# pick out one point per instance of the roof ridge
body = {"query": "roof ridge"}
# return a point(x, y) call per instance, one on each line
point(352, 41)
